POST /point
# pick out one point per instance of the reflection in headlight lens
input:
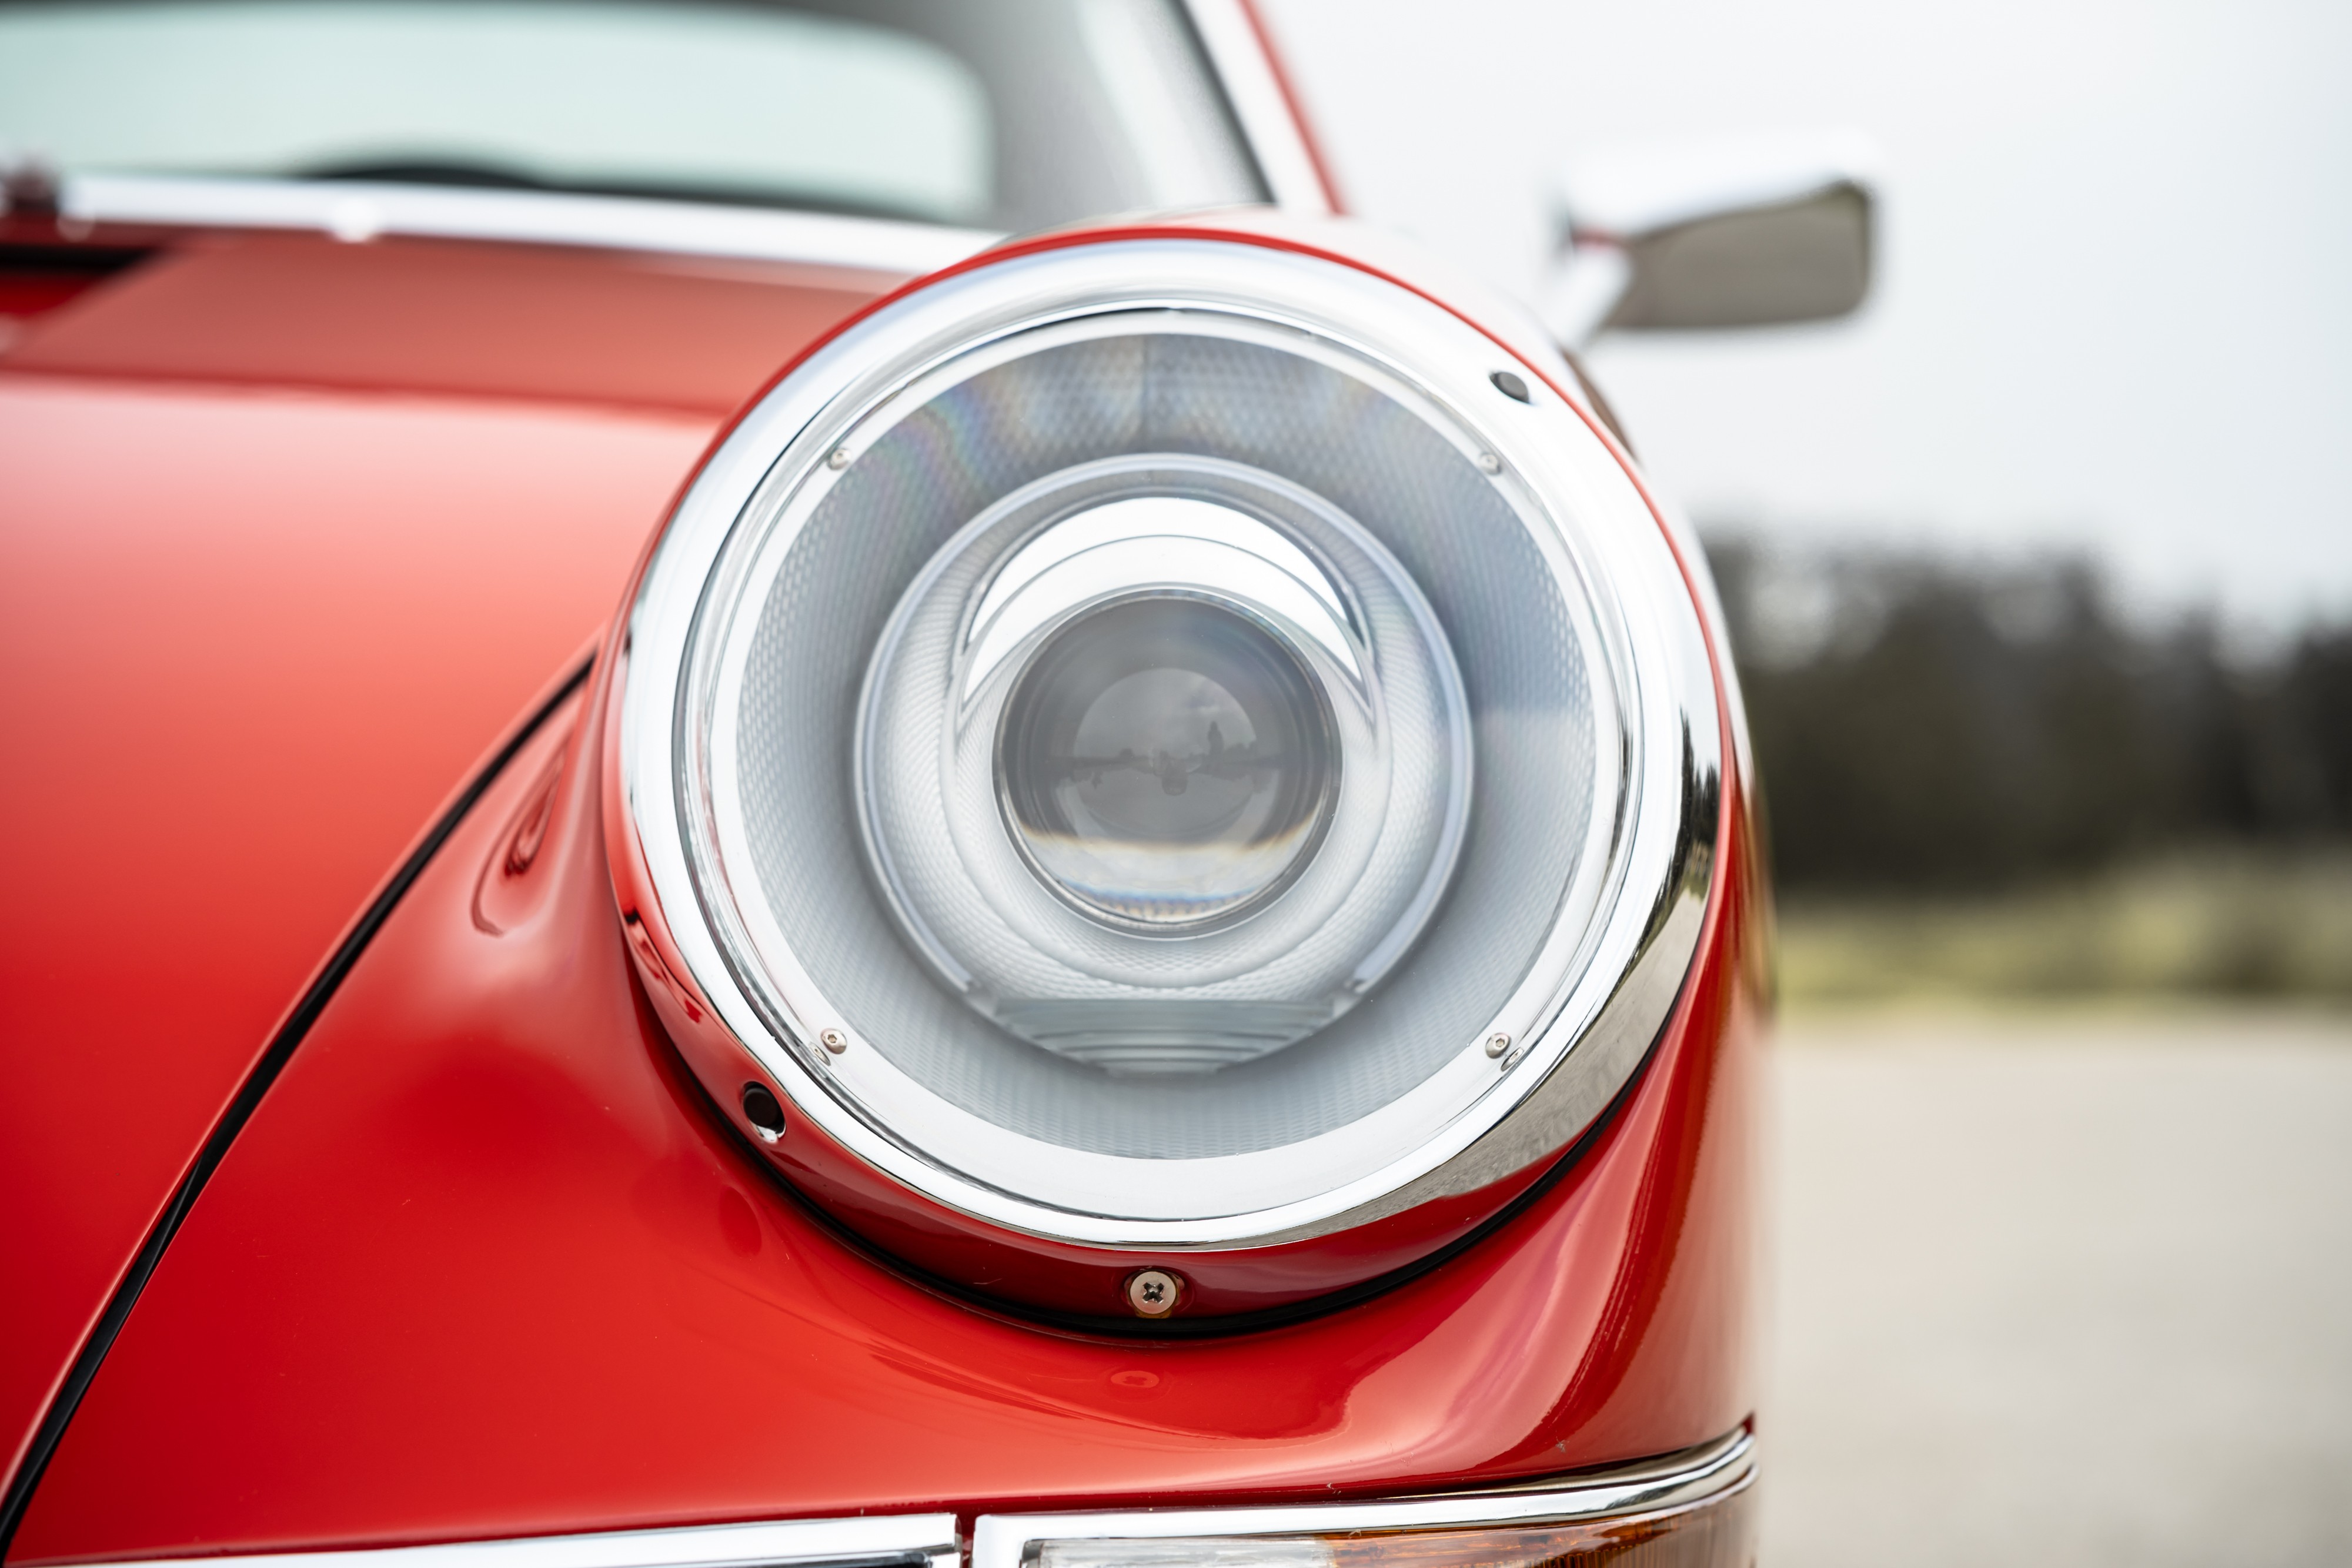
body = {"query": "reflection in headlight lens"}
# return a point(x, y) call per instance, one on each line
point(1166, 761)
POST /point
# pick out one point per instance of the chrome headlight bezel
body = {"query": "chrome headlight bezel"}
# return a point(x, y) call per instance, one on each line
point(1516, 1090)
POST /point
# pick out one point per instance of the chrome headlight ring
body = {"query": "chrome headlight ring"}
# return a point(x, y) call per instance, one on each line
point(894, 1055)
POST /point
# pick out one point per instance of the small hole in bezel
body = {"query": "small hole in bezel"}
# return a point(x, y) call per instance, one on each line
point(763, 1110)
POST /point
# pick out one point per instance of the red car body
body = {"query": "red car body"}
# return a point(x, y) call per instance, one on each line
point(357, 1194)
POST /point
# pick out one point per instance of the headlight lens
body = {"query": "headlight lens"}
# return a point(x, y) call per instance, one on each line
point(1167, 763)
point(1158, 714)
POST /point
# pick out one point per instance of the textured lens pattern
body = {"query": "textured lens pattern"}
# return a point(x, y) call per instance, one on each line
point(1511, 631)
point(1166, 761)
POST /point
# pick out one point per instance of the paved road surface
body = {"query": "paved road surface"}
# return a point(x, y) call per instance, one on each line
point(2058, 1291)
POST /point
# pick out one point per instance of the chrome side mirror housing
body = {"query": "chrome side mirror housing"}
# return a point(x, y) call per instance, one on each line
point(1750, 232)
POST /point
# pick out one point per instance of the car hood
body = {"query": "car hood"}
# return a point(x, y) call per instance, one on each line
point(294, 531)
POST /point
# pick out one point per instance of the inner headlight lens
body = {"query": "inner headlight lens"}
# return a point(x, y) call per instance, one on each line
point(1167, 762)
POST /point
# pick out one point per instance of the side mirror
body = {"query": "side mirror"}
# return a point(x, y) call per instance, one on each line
point(1746, 233)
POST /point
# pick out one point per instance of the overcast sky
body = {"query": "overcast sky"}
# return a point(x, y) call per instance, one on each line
point(2115, 304)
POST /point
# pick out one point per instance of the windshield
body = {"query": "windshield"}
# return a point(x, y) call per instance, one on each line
point(1007, 114)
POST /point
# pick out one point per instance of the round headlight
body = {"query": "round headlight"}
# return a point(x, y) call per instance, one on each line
point(1150, 747)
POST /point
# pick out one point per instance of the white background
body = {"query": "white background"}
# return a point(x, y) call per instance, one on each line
point(2114, 309)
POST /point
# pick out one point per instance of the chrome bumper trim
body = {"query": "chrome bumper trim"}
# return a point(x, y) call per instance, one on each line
point(1717, 1468)
point(1003, 1540)
point(911, 1539)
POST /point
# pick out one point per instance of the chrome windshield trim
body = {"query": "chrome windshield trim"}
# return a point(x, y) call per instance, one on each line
point(1237, 53)
point(1716, 1469)
point(357, 210)
point(925, 1538)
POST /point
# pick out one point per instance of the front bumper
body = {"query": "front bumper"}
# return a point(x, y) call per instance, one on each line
point(1691, 1510)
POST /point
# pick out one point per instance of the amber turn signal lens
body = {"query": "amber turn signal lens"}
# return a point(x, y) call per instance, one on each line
point(1719, 1532)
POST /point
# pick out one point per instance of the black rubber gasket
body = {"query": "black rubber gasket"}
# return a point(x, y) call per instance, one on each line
point(272, 1061)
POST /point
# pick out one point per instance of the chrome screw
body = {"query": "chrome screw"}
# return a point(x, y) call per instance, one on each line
point(838, 459)
point(1489, 463)
point(1497, 1043)
point(1153, 1292)
point(834, 1040)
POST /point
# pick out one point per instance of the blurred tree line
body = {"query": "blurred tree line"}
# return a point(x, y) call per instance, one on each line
point(1923, 725)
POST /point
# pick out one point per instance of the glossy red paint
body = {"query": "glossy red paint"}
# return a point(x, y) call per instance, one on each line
point(256, 632)
point(41, 272)
point(519, 1278)
point(484, 1263)
point(33, 290)
point(484, 320)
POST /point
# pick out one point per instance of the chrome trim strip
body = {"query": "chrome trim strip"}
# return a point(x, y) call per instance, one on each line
point(1722, 1466)
point(928, 1538)
point(1000, 1540)
point(1231, 40)
point(360, 210)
